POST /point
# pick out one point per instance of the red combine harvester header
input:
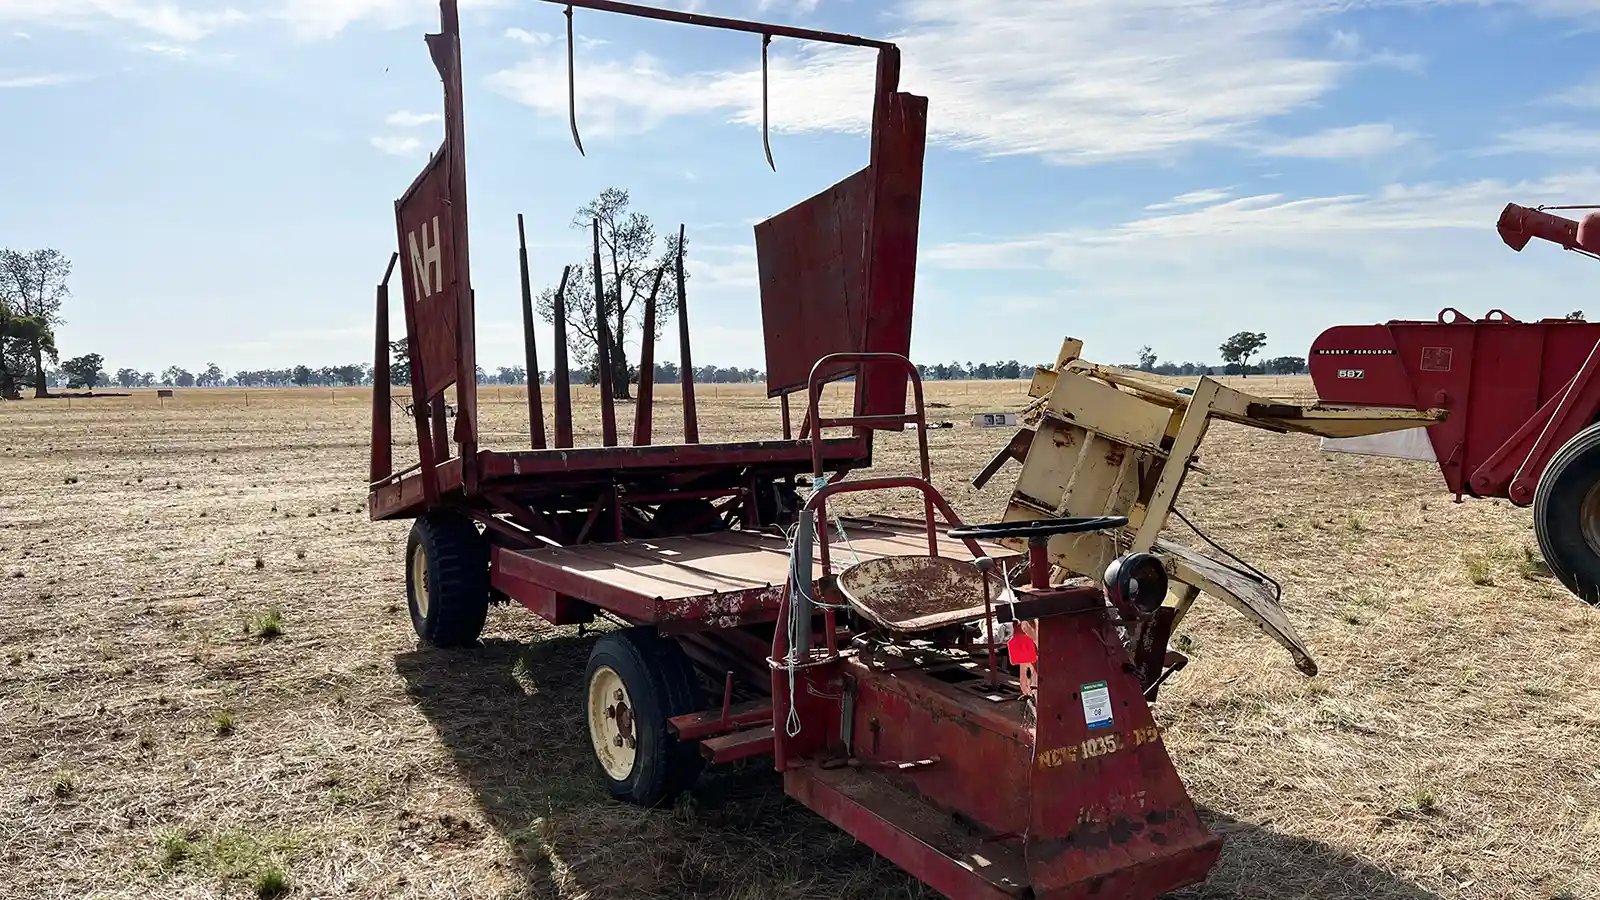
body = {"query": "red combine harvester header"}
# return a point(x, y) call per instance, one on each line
point(1523, 402)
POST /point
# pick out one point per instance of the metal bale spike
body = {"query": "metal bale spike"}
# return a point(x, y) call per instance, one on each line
point(642, 408)
point(531, 351)
point(691, 419)
point(572, 87)
point(563, 378)
point(382, 427)
point(602, 330)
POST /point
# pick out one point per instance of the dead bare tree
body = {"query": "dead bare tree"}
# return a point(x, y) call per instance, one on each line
point(631, 250)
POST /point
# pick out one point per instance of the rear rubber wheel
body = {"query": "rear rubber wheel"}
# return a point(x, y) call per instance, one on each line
point(635, 682)
point(447, 579)
point(1566, 514)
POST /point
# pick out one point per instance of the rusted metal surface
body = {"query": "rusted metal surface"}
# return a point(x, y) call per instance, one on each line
point(691, 419)
point(812, 264)
point(914, 593)
point(530, 349)
point(725, 577)
point(899, 138)
point(688, 18)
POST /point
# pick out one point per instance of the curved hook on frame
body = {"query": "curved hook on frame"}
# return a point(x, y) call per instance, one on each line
point(766, 140)
point(572, 88)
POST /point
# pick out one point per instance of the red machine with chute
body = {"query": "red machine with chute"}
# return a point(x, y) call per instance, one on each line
point(1523, 402)
point(994, 740)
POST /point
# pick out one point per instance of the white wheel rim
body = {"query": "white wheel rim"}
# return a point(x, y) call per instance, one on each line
point(611, 725)
point(419, 581)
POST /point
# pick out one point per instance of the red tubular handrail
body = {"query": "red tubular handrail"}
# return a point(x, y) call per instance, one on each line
point(814, 384)
point(780, 633)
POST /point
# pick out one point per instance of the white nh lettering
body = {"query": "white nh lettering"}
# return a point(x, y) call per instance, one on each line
point(426, 261)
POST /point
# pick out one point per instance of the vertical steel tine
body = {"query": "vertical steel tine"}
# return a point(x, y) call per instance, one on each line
point(766, 139)
point(572, 88)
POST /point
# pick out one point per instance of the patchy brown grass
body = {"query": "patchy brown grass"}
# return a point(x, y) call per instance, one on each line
point(207, 690)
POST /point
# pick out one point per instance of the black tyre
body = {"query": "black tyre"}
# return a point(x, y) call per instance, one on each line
point(635, 682)
point(1566, 514)
point(447, 579)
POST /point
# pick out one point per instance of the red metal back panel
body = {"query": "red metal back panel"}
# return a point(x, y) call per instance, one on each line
point(812, 259)
point(1492, 375)
point(427, 265)
point(838, 271)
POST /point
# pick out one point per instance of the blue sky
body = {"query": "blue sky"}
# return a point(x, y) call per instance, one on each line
point(1130, 172)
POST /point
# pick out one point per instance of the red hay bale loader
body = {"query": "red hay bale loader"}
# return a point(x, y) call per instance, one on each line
point(1522, 402)
point(991, 735)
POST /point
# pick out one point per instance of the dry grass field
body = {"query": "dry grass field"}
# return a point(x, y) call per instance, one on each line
point(209, 686)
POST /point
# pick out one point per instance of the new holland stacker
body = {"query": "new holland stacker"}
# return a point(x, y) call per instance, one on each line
point(971, 702)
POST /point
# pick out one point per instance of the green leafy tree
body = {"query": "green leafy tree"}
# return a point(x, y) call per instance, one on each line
point(178, 376)
point(1147, 359)
point(400, 361)
point(84, 371)
point(33, 284)
point(631, 251)
point(127, 378)
point(302, 376)
point(1239, 348)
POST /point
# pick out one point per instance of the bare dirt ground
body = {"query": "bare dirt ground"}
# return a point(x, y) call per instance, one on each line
point(209, 685)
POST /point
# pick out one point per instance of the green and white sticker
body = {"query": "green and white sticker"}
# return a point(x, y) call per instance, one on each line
point(1096, 705)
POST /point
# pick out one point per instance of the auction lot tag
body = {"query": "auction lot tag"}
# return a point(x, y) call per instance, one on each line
point(1097, 705)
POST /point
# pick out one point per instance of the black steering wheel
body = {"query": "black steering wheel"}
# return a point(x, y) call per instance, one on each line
point(1040, 527)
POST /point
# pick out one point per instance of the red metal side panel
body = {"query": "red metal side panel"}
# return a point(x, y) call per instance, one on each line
point(427, 265)
point(1492, 375)
point(812, 263)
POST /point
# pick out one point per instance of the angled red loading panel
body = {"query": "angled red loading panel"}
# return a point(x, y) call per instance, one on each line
point(838, 270)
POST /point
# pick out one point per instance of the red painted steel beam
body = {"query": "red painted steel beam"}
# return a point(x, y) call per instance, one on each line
point(727, 24)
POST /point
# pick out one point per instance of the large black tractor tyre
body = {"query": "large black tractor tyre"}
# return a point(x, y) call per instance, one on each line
point(1566, 514)
point(637, 680)
point(447, 579)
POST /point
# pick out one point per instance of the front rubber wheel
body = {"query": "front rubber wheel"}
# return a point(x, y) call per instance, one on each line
point(447, 579)
point(1566, 514)
point(635, 682)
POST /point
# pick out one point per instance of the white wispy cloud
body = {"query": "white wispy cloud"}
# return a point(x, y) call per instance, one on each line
point(42, 79)
point(1077, 83)
point(396, 145)
point(1557, 139)
point(1287, 264)
point(168, 19)
point(1347, 142)
point(1193, 198)
point(407, 119)
point(524, 36)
